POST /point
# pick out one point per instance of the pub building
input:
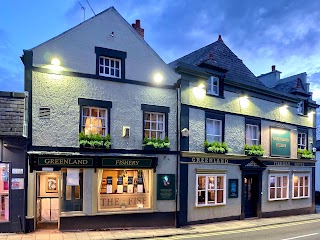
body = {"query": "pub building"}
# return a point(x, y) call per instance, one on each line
point(103, 149)
point(246, 140)
point(13, 169)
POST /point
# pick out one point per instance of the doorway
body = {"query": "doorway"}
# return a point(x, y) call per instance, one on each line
point(251, 195)
point(47, 203)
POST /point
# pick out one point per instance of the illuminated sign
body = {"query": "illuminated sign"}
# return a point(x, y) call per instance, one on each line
point(280, 142)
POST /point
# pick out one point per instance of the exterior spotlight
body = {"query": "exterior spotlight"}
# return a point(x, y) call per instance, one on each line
point(244, 102)
point(158, 78)
point(112, 34)
point(201, 86)
point(55, 61)
point(311, 113)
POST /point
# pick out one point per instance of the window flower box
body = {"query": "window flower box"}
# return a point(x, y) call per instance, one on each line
point(253, 150)
point(94, 141)
point(305, 154)
point(216, 147)
point(156, 144)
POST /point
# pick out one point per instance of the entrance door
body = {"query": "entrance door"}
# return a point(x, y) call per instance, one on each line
point(47, 204)
point(251, 195)
point(72, 196)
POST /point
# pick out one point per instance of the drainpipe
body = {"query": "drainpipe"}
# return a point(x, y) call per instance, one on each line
point(178, 150)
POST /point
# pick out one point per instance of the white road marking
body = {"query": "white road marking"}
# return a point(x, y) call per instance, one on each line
point(308, 235)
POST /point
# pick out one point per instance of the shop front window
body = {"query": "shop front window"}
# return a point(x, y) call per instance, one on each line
point(4, 192)
point(278, 187)
point(301, 185)
point(125, 189)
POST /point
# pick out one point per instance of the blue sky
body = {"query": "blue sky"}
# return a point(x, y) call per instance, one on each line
point(261, 33)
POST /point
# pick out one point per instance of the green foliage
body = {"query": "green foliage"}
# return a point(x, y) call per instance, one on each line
point(94, 140)
point(216, 147)
point(305, 153)
point(253, 150)
point(156, 142)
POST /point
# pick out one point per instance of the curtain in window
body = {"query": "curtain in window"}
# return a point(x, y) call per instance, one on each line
point(100, 174)
point(145, 175)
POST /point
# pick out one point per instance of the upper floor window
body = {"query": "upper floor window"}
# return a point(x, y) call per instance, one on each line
point(252, 134)
point(94, 120)
point(154, 125)
point(213, 86)
point(95, 117)
point(110, 63)
point(211, 189)
point(303, 107)
point(302, 141)
point(109, 67)
point(214, 130)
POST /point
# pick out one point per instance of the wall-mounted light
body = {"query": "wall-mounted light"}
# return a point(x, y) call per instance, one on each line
point(158, 78)
point(55, 61)
point(185, 132)
point(283, 109)
point(112, 34)
point(244, 102)
point(199, 91)
point(310, 115)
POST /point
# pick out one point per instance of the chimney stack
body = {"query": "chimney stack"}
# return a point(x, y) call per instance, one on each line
point(273, 68)
point(138, 28)
point(220, 38)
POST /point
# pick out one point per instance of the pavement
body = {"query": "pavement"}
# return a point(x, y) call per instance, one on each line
point(150, 233)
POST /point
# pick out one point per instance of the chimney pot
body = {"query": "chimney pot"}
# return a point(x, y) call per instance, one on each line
point(220, 38)
point(273, 68)
point(138, 23)
point(138, 28)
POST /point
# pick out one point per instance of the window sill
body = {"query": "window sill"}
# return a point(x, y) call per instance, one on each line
point(297, 198)
point(72, 214)
point(213, 95)
point(279, 199)
point(212, 205)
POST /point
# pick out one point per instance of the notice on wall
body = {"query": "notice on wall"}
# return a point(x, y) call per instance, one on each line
point(73, 176)
point(166, 187)
point(17, 183)
point(233, 188)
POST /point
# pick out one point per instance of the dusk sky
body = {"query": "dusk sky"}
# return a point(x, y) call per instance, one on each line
point(281, 33)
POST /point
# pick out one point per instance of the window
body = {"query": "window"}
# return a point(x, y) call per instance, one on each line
point(125, 189)
point(4, 190)
point(278, 187)
point(211, 190)
point(301, 185)
point(214, 130)
point(213, 86)
point(154, 125)
point(109, 67)
point(252, 134)
point(94, 120)
point(110, 63)
point(302, 141)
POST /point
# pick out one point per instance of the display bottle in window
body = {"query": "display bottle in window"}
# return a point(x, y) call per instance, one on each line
point(130, 185)
point(120, 184)
point(140, 182)
point(109, 184)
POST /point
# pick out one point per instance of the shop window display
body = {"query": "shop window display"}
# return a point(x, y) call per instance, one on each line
point(4, 192)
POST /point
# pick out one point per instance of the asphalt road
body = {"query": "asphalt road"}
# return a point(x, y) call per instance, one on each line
point(308, 230)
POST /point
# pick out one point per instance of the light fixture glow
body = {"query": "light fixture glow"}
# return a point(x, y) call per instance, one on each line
point(158, 78)
point(244, 102)
point(283, 109)
point(55, 61)
point(201, 86)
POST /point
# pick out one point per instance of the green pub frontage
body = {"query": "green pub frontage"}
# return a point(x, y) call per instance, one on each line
point(220, 187)
point(83, 191)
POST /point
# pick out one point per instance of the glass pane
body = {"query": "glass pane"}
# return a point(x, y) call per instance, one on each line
point(160, 118)
point(217, 139)
point(211, 196)
point(112, 72)
point(77, 192)
point(101, 60)
point(201, 197)
point(220, 183)
point(295, 191)
point(106, 69)
point(278, 192)
point(4, 197)
point(301, 192)
point(295, 180)
point(285, 181)
point(211, 183)
point(216, 128)
point(153, 134)
point(117, 64)
point(220, 196)
point(107, 62)
point(153, 126)
point(68, 192)
point(85, 111)
point(101, 69)
point(117, 73)
point(278, 182)
point(147, 125)
point(306, 191)
point(112, 63)
point(153, 117)
point(306, 180)
point(147, 134)
point(147, 116)
point(201, 183)
point(284, 192)
point(160, 126)
point(272, 181)
point(272, 193)
point(94, 112)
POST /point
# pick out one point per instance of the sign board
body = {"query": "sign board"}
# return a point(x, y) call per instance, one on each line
point(280, 142)
point(17, 183)
point(166, 188)
point(126, 163)
point(233, 186)
point(65, 161)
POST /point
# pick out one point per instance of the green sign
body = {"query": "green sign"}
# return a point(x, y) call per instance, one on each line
point(233, 188)
point(126, 163)
point(65, 161)
point(280, 142)
point(166, 187)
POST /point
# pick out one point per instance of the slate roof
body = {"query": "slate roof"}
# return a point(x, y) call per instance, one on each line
point(11, 115)
point(217, 54)
point(293, 86)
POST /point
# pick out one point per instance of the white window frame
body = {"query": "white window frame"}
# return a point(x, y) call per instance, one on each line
point(114, 68)
point(281, 187)
point(207, 176)
point(301, 108)
point(102, 117)
point(302, 144)
point(213, 86)
point(249, 140)
point(212, 135)
point(160, 133)
point(302, 185)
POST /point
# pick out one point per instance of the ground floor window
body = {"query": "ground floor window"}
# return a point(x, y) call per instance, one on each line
point(124, 189)
point(301, 185)
point(4, 192)
point(278, 186)
point(211, 189)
